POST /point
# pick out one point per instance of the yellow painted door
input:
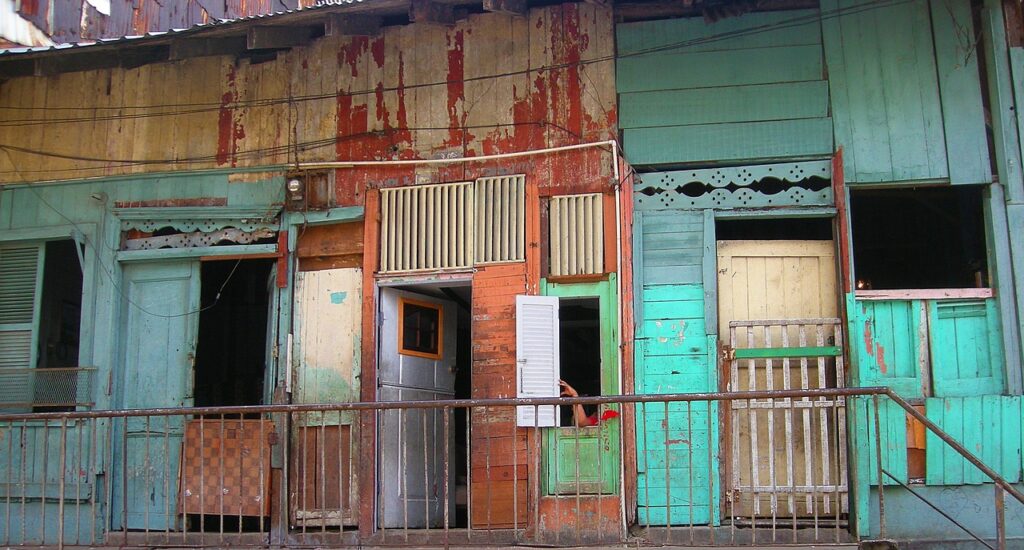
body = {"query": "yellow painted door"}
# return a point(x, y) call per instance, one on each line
point(785, 458)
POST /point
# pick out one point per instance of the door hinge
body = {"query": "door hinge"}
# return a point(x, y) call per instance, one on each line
point(727, 353)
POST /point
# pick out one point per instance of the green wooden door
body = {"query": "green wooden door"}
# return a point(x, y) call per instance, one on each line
point(597, 447)
point(159, 326)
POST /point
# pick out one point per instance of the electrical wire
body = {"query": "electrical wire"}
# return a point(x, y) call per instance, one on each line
point(205, 107)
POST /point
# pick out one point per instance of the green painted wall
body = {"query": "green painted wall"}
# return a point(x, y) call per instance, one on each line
point(906, 95)
point(692, 91)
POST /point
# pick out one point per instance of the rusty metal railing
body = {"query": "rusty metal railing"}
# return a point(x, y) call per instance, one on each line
point(447, 472)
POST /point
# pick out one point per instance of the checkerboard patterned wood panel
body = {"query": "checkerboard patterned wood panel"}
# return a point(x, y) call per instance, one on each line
point(225, 467)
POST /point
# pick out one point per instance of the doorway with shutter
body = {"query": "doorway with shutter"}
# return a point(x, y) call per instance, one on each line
point(423, 355)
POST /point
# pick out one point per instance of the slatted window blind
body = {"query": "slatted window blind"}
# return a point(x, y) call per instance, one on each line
point(453, 225)
point(576, 233)
point(20, 279)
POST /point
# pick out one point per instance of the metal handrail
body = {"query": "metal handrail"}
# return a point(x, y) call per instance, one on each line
point(512, 402)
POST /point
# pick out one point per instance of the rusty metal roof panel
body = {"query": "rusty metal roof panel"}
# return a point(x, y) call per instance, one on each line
point(124, 25)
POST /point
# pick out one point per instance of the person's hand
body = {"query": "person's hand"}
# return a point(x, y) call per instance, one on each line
point(567, 390)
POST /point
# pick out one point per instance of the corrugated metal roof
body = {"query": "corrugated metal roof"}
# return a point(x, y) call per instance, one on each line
point(158, 35)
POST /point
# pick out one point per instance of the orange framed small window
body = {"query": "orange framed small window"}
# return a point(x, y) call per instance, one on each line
point(420, 331)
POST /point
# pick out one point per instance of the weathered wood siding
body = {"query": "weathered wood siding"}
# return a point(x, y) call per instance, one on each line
point(692, 91)
point(906, 95)
point(489, 83)
point(989, 426)
point(501, 458)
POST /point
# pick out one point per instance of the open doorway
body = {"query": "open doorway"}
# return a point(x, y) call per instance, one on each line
point(425, 353)
point(230, 364)
point(580, 350)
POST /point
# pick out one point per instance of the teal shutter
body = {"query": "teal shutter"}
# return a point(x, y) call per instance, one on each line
point(966, 348)
point(20, 281)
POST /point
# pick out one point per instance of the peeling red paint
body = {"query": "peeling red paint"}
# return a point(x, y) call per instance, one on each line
point(880, 357)
point(377, 51)
point(456, 90)
point(229, 128)
point(874, 348)
point(350, 53)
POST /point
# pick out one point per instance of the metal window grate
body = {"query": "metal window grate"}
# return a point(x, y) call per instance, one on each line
point(427, 227)
point(50, 387)
point(501, 219)
point(576, 233)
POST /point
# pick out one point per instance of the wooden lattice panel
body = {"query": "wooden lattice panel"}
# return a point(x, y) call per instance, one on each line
point(225, 467)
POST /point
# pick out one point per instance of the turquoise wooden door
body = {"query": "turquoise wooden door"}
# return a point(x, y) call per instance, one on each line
point(159, 325)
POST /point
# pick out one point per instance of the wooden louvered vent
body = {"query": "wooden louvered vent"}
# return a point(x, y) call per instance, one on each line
point(576, 234)
point(19, 274)
point(501, 219)
point(427, 227)
point(453, 225)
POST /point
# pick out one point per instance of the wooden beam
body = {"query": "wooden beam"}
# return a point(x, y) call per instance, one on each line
point(17, 67)
point(73, 62)
point(511, 7)
point(277, 38)
point(352, 25)
point(184, 48)
point(425, 11)
point(137, 57)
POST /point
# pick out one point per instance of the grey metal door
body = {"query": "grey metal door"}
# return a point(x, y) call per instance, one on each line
point(416, 361)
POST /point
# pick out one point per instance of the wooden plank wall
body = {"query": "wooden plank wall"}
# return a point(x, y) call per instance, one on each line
point(989, 426)
point(501, 472)
point(719, 92)
point(906, 94)
point(415, 91)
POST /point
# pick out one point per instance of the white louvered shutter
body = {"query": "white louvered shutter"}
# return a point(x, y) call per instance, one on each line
point(536, 357)
point(20, 277)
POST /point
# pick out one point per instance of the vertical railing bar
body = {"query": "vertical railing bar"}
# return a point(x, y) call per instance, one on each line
point(341, 481)
point(145, 476)
point(23, 482)
point(838, 423)
point(184, 501)
point(668, 475)
point(42, 483)
point(305, 473)
point(537, 481)
point(515, 477)
point(689, 466)
point(79, 428)
point(807, 413)
point(787, 384)
point(469, 473)
point(426, 468)
point(447, 450)
point(826, 459)
point(734, 416)
point(93, 427)
point(812, 483)
point(1000, 505)
point(647, 467)
point(878, 462)
point(124, 478)
point(108, 448)
point(487, 468)
point(576, 437)
point(241, 474)
point(755, 479)
point(7, 497)
point(769, 370)
point(600, 471)
point(202, 478)
point(557, 485)
point(168, 517)
point(403, 471)
point(839, 415)
point(321, 446)
point(60, 490)
point(711, 478)
point(263, 484)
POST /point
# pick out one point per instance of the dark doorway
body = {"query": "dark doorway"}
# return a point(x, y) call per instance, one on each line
point(231, 349)
point(580, 349)
point(59, 327)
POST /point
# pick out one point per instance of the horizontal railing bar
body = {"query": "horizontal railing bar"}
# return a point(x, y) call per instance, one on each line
point(46, 370)
point(784, 404)
point(786, 322)
point(453, 403)
point(786, 353)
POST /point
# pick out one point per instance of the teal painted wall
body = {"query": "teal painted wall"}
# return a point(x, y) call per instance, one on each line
point(692, 91)
point(906, 95)
point(47, 212)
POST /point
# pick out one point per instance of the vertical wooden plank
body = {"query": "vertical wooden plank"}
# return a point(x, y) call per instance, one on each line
point(368, 392)
point(974, 431)
point(963, 117)
point(1007, 275)
point(710, 267)
point(638, 271)
point(1007, 144)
